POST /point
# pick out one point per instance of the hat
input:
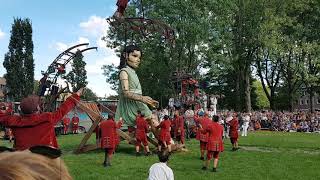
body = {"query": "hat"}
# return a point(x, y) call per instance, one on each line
point(30, 104)
point(200, 113)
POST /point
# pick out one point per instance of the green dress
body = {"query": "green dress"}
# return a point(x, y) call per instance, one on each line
point(127, 108)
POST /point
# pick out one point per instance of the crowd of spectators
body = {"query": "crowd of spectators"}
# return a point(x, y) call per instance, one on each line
point(259, 120)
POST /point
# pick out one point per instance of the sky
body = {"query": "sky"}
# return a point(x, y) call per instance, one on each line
point(60, 24)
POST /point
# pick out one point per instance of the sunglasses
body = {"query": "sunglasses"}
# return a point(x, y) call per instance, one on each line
point(48, 151)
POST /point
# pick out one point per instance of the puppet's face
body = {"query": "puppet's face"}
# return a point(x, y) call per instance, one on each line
point(134, 59)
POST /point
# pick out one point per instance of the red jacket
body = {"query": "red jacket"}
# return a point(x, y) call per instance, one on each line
point(178, 125)
point(205, 122)
point(165, 130)
point(66, 121)
point(75, 121)
point(142, 128)
point(234, 123)
point(109, 137)
point(37, 129)
point(215, 142)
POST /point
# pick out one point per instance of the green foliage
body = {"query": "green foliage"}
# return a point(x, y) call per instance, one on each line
point(111, 72)
point(78, 76)
point(233, 40)
point(89, 95)
point(19, 61)
point(262, 100)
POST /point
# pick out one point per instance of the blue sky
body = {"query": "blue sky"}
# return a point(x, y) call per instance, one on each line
point(60, 24)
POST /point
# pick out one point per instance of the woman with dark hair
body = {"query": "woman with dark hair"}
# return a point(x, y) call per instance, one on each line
point(130, 94)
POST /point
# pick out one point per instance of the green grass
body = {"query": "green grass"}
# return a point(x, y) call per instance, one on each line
point(263, 155)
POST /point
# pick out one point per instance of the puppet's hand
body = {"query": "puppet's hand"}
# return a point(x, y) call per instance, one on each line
point(149, 101)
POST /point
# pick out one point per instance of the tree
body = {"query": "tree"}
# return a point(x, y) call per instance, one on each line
point(262, 100)
point(111, 73)
point(89, 95)
point(19, 61)
point(160, 60)
point(78, 76)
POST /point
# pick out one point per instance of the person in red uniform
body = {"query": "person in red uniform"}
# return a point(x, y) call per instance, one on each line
point(233, 132)
point(6, 109)
point(179, 131)
point(33, 128)
point(164, 136)
point(202, 120)
point(215, 143)
point(66, 123)
point(141, 134)
point(108, 138)
point(75, 124)
point(122, 5)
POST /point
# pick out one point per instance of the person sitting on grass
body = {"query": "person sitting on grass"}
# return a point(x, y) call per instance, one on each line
point(215, 143)
point(161, 170)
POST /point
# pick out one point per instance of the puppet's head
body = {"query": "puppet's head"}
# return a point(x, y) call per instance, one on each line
point(130, 56)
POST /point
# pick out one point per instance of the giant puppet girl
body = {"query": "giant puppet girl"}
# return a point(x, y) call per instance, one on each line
point(130, 94)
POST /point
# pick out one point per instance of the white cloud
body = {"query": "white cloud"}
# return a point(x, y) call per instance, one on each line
point(2, 34)
point(95, 26)
point(95, 67)
point(83, 40)
point(60, 46)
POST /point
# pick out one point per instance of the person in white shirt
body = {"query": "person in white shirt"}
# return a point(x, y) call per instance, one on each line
point(213, 104)
point(245, 125)
point(189, 120)
point(211, 113)
point(205, 101)
point(171, 102)
point(160, 170)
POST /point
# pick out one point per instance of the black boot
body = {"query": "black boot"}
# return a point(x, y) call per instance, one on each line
point(204, 168)
point(214, 169)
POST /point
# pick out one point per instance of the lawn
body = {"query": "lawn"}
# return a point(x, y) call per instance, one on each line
point(263, 155)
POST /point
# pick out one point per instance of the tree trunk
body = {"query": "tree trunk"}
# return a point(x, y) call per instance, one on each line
point(271, 99)
point(238, 93)
point(291, 103)
point(311, 94)
point(247, 91)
